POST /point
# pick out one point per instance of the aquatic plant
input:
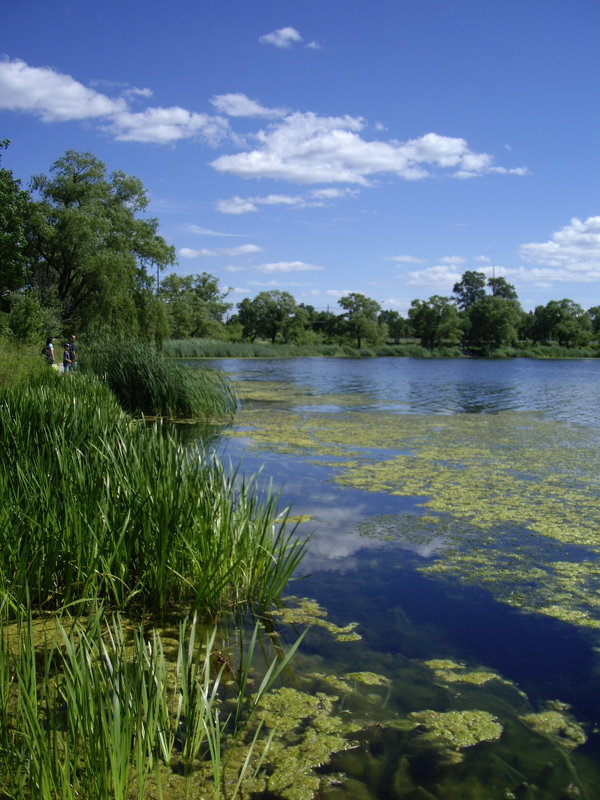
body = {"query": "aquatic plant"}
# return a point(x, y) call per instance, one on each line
point(92, 504)
point(95, 708)
point(145, 381)
point(506, 496)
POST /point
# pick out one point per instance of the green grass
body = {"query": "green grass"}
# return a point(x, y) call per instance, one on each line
point(18, 362)
point(93, 504)
point(146, 382)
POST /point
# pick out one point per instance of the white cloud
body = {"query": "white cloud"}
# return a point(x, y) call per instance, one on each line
point(239, 105)
point(236, 205)
point(207, 232)
point(440, 278)
point(287, 266)
point(56, 97)
point(51, 95)
point(573, 250)
point(307, 148)
point(282, 38)
point(405, 259)
point(187, 252)
point(242, 250)
point(165, 125)
point(457, 260)
point(314, 199)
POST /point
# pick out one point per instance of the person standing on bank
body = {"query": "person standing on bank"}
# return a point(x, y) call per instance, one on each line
point(48, 351)
point(67, 361)
point(73, 351)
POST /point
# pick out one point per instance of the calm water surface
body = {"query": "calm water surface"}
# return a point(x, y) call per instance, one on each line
point(406, 617)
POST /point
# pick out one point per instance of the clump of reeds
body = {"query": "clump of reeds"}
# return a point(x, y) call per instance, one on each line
point(95, 709)
point(95, 505)
point(146, 381)
point(18, 361)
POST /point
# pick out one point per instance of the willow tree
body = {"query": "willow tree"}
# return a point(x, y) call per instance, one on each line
point(92, 252)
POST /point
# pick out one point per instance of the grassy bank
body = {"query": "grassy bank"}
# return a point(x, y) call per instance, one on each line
point(101, 514)
point(209, 348)
point(94, 505)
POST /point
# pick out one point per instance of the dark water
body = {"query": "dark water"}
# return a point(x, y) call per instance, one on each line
point(406, 617)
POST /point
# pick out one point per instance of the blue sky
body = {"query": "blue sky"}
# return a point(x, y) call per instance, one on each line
point(330, 146)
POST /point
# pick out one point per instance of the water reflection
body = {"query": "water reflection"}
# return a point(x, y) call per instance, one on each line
point(566, 389)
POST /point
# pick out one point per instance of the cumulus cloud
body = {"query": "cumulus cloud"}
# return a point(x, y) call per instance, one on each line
point(239, 105)
point(282, 38)
point(166, 125)
point(440, 278)
point(308, 148)
point(56, 97)
point(573, 250)
point(51, 95)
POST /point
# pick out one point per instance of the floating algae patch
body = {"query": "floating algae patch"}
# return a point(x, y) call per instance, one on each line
point(307, 612)
point(452, 731)
point(448, 671)
point(557, 723)
point(513, 497)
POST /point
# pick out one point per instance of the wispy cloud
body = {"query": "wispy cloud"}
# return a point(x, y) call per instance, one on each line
point(405, 259)
point(237, 104)
point(242, 250)
point(281, 38)
point(313, 199)
point(207, 232)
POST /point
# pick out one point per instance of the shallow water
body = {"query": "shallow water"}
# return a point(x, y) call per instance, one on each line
point(468, 540)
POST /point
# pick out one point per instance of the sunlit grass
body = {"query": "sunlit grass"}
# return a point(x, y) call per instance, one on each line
point(145, 381)
point(94, 504)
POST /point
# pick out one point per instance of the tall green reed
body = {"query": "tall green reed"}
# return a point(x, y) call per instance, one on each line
point(146, 381)
point(97, 710)
point(93, 504)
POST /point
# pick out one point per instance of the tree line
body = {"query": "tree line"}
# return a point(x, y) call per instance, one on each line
point(78, 254)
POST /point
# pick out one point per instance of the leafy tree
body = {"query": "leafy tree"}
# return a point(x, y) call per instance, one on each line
point(493, 322)
point(594, 315)
point(361, 318)
point(267, 315)
point(563, 321)
point(396, 325)
point(469, 289)
point(90, 249)
point(195, 305)
point(14, 209)
point(502, 288)
point(435, 321)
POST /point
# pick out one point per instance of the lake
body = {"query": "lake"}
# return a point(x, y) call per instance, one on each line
point(453, 514)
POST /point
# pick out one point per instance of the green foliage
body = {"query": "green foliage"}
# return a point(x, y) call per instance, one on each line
point(14, 209)
point(89, 249)
point(103, 709)
point(435, 321)
point(492, 323)
point(93, 506)
point(360, 319)
point(268, 315)
point(20, 362)
point(146, 381)
point(470, 289)
point(195, 305)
